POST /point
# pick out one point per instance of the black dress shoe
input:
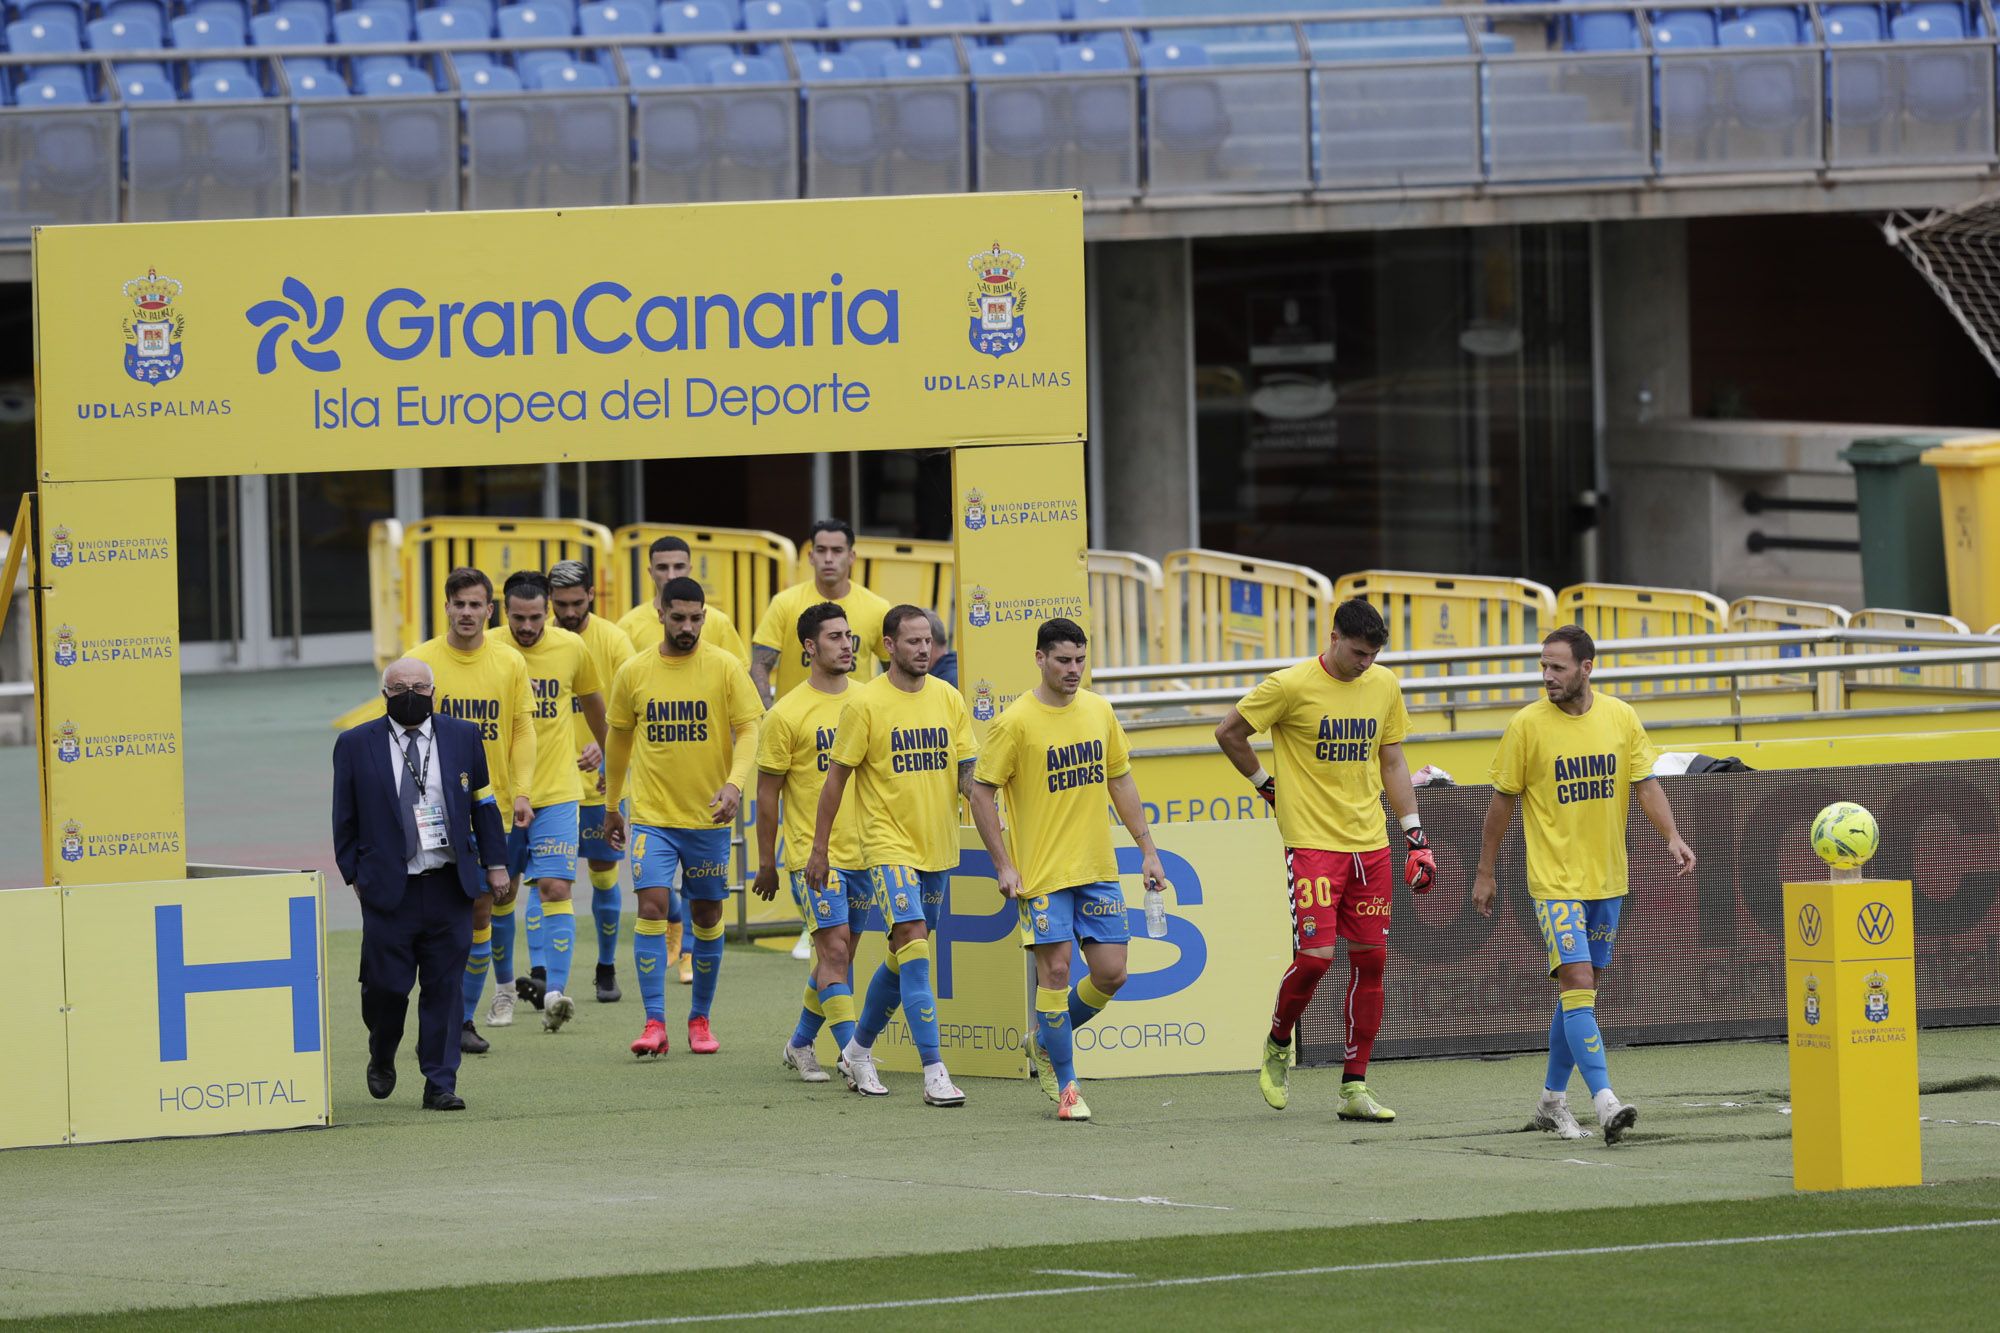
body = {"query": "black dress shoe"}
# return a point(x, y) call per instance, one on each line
point(442, 1101)
point(471, 1042)
point(381, 1080)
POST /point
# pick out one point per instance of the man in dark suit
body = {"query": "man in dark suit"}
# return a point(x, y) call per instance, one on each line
point(418, 836)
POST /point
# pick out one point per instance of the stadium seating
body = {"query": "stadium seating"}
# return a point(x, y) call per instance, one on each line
point(732, 97)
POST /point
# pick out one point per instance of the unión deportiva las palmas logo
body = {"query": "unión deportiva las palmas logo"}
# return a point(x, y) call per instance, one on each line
point(998, 301)
point(153, 329)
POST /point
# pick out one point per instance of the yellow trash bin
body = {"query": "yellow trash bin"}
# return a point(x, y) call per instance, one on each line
point(1969, 495)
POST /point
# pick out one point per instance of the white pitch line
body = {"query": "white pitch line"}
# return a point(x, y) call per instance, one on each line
point(1078, 1272)
point(984, 1297)
point(1152, 1199)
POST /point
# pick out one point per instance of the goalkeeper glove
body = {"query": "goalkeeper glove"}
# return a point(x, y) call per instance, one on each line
point(1266, 785)
point(1419, 866)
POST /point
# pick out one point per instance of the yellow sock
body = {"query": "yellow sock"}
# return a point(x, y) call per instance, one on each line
point(714, 932)
point(649, 926)
point(840, 1009)
point(910, 952)
point(1054, 1003)
point(604, 879)
point(482, 935)
point(812, 1001)
point(1579, 999)
point(1087, 991)
point(562, 908)
point(506, 908)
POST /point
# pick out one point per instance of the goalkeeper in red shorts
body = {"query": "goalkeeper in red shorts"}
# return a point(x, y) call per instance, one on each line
point(1337, 724)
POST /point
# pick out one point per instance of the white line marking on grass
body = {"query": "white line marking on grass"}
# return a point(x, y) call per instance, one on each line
point(1152, 1199)
point(1578, 1161)
point(1078, 1272)
point(1329, 1270)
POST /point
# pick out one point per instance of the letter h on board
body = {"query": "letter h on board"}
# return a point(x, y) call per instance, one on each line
point(179, 978)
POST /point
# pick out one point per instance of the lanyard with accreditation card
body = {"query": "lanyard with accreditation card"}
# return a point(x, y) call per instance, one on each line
point(432, 835)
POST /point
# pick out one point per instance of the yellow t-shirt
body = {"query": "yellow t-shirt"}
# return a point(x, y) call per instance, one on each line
point(609, 649)
point(642, 626)
point(797, 744)
point(1575, 776)
point(779, 631)
point(488, 687)
point(683, 713)
point(1054, 765)
point(905, 748)
point(1326, 739)
point(559, 669)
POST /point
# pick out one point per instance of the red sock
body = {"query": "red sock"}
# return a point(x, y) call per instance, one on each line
point(1363, 1009)
point(1295, 992)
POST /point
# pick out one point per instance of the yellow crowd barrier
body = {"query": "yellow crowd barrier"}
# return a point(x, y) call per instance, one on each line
point(1752, 614)
point(1629, 611)
point(1222, 607)
point(385, 589)
point(1127, 610)
point(1922, 622)
point(498, 547)
point(740, 569)
point(1455, 611)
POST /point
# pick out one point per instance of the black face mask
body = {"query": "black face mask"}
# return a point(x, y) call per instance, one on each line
point(409, 709)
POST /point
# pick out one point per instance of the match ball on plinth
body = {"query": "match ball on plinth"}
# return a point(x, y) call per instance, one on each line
point(1844, 835)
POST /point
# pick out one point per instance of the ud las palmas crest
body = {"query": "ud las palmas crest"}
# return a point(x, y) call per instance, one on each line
point(982, 701)
point(1812, 1001)
point(980, 613)
point(153, 329)
point(1876, 1006)
point(72, 841)
point(975, 509)
point(68, 748)
point(61, 553)
point(998, 301)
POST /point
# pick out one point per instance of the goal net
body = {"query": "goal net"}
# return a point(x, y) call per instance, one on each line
point(1958, 252)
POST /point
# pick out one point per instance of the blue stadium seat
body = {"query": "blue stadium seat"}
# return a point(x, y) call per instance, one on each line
point(616, 18)
point(939, 13)
point(534, 20)
point(1600, 32)
point(307, 10)
point(846, 125)
point(989, 62)
point(1853, 23)
point(155, 10)
point(30, 37)
point(213, 31)
point(568, 76)
point(1097, 56)
point(404, 80)
point(223, 87)
point(493, 79)
point(145, 82)
point(361, 27)
point(1101, 10)
point(778, 15)
point(1187, 115)
point(57, 85)
point(1683, 28)
point(658, 72)
point(756, 131)
point(1857, 82)
point(1939, 88)
point(925, 64)
point(1775, 26)
point(51, 14)
point(1102, 114)
point(1684, 88)
point(451, 23)
point(746, 69)
point(831, 68)
point(317, 83)
point(222, 11)
point(1170, 53)
point(864, 14)
point(1765, 94)
point(396, 11)
point(296, 29)
point(696, 16)
point(131, 33)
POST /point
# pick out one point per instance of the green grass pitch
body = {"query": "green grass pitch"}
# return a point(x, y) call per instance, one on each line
point(585, 1188)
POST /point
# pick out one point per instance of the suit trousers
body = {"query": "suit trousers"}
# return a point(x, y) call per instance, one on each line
point(424, 942)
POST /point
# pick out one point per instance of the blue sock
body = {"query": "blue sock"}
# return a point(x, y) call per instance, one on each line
point(1086, 1002)
point(1053, 1032)
point(1586, 1043)
point(812, 1016)
point(1561, 1063)
point(649, 956)
point(919, 1005)
point(604, 908)
point(707, 968)
point(477, 963)
point(885, 992)
point(503, 945)
point(559, 925)
point(836, 1001)
point(536, 918)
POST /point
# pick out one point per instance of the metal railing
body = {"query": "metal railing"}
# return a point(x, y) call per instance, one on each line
point(1290, 107)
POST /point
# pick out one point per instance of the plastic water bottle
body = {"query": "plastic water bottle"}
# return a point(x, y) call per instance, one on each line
point(1156, 915)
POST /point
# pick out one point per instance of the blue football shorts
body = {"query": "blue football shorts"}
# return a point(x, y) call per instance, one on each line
point(700, 856)
point(845, 902)
point(1091, 913)
point(1578, 930)
point(905, 894)
point(546, 848)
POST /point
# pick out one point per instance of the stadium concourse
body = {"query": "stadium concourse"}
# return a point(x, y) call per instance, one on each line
point(579, 1163)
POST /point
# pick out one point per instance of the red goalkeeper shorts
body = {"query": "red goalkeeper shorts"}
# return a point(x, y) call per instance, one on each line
point(1339, 893)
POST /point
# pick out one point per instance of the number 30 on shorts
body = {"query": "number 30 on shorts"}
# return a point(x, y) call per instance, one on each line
point(1313, 892)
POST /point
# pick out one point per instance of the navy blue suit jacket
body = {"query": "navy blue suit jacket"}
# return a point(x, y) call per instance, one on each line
point(368, 819)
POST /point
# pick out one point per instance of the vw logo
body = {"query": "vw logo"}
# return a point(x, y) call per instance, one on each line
point(1809, 924)
point(1876, 923)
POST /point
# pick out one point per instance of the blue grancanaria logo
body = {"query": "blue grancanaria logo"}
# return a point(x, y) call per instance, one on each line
point(299, 311)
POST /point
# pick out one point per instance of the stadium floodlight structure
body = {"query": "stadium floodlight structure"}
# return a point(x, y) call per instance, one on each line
point(1957, 250)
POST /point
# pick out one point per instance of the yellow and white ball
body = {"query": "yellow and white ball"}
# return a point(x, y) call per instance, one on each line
point(1844, 835)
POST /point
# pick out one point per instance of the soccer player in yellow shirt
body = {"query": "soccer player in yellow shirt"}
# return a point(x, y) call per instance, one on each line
point(902, 737)
point(573, 602)
point(794, 752)
point(562, 677)
point(1059, 754)
point(684, 718)
point(1337, 724)
point(777, 664)
point(669, 558)
point(483, 680)
point(1577, 757)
